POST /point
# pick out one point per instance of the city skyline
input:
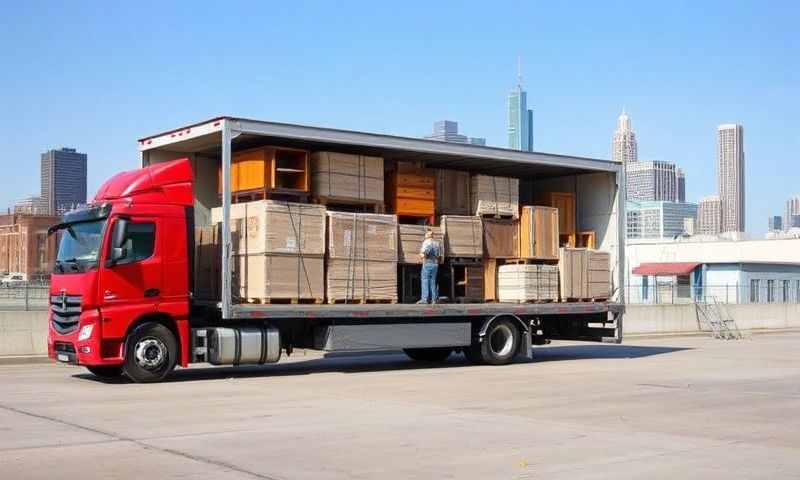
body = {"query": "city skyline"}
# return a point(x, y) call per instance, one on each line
point(102, 103)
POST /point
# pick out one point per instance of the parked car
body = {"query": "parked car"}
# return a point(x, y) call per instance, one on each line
point(14, 279)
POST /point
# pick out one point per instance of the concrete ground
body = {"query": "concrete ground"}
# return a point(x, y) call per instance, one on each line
point(688, 407)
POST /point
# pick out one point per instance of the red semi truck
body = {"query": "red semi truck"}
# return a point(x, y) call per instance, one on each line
point(121, 298)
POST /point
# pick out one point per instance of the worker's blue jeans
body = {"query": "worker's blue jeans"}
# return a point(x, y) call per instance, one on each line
point(430, 291)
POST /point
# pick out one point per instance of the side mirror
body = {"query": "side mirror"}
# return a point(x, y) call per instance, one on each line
point(118, 252)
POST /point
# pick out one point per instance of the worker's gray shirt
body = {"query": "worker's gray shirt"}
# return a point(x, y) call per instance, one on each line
point(426, 246)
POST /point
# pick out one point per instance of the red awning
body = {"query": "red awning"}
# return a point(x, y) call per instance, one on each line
point(665, 269)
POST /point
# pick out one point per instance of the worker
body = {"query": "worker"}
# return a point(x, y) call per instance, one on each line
point(429, 253)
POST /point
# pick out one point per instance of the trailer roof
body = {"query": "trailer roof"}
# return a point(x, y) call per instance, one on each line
point(206, 137)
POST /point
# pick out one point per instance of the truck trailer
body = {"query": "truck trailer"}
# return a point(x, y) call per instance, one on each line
point(122, 298)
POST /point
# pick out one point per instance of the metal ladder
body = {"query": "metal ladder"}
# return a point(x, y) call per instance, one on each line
point(719, 321)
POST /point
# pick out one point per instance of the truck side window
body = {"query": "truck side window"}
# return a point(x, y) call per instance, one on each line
point(140, 240)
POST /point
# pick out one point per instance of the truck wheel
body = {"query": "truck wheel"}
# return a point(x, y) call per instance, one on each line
point(428, 354)
point(150, 353)
point(500, 344)
point(106, 372)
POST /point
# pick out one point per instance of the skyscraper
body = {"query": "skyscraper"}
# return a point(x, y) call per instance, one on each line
point(520, 118)
point(775, 223)
point(624, 148)
point(708, 215)
point(447, 131)
point(792, 210)
point(651, 181)
point(63, 180)
point(730, 175)
point(680, 182)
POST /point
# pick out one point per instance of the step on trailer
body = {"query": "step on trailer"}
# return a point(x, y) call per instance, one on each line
point(224, 331)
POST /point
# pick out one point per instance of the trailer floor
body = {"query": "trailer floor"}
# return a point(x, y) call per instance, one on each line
point(686, 407)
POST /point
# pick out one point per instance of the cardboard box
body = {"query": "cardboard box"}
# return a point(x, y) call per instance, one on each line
point(347, 177)
point(495, 196)
point(411, 238)
point(359, 280)
point(367, 236)
point(266, 277)
point(599, 275)
point(527, 283)
point(463, 236)
point(271, 226)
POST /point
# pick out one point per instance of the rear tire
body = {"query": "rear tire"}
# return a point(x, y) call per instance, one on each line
point(106, 372)
point(499, 345)
point(151, 353)
point(429, 354)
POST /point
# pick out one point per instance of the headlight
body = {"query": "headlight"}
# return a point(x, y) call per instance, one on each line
point(86, 332)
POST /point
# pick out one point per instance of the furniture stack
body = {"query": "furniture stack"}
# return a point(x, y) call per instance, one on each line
point(463, 236)
point(527, 283)
point(277, 251)
point(463, 249)
point(584, 274)
point(362, 257)
point(346, 178)
point(539, 233)
point(495, 196)
point(452, 192)
point(267, 172)
point(411, 192)
point(567, 223)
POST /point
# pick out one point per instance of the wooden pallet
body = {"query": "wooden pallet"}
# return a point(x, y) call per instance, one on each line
point(497, 216)
point(530, 261)
point(538, 300)
point(284, 301)
point(464, 260)
point(350, 204)
point(361, 301)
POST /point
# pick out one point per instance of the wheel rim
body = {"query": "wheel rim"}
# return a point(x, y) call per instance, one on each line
point(501, 341)
point(150, 353)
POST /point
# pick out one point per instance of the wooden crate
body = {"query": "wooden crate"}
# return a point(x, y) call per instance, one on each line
point(411, 238)
point(572, 269)
point(527, 283)
point(495, 196)
point(565, 203)
point(346, 178)
point(500, 238)
point(271, 226)
point(271, 278)
point(539, 233)
point(267, 170)
point(411, 191)
point(463, 236)
point(207, 276)
point(452, 192)
point(598, 275)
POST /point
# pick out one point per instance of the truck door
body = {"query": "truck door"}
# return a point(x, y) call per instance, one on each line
point(131, 274)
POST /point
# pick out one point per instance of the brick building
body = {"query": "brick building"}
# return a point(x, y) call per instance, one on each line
point(25, 246)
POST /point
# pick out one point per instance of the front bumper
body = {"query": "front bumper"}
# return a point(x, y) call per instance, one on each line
point(67, 348)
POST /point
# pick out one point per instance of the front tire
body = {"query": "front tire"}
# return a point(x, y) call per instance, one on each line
point(428, 354)
point(151, 353)
point(106, 372)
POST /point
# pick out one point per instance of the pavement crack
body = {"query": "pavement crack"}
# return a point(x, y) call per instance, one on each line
point(143, 444)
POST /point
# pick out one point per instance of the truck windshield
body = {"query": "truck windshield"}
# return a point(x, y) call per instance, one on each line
point(79, 247)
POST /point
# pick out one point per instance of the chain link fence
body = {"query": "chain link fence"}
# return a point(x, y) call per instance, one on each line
point(30, 296)
point(767, 291)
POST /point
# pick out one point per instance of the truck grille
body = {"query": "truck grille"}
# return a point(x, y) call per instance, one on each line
point(65, 312)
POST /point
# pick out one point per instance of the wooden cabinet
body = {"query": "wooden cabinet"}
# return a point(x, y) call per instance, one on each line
point(539, 229)
point(265, 170)
point(565, 203)
point(411, 191)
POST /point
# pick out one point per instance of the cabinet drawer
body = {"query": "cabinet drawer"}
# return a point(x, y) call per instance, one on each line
point(407, 206)
point(416, 193)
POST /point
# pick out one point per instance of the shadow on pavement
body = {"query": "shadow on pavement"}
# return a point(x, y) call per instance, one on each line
point(397, 361)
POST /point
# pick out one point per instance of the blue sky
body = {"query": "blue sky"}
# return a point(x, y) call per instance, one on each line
point(99, 75)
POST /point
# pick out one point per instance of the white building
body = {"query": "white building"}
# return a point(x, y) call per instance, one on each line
point(709, 217)
point(623, 147)
point(658, 220)
point(792, 213)
point(730, 176)
point(751, 271)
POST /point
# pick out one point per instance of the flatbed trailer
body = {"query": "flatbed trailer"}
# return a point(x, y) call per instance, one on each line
point(150, 330)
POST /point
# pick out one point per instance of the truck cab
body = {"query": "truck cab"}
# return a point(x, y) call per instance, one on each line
point(119, 292)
